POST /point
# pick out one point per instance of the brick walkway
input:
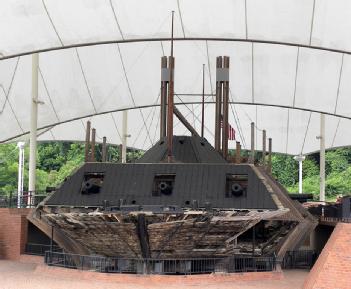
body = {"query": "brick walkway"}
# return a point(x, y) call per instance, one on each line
point(17, 275)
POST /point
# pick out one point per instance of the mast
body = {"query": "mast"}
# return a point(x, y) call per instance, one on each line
point(203, 101)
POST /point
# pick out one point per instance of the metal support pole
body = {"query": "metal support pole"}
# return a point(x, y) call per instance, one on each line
point(238, 153)
point(93, 136)
point(33, 129)
point(124, 136)
point(104, 150)
point(252, 155)
point(218, 114)
point(322, 159)
point(20, 146)
point(270, 155)
point(264, 148)
point(163, 108)
point(203, 101)
point(87, 141)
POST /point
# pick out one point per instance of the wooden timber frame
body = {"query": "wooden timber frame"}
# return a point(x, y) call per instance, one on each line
point(193, 233)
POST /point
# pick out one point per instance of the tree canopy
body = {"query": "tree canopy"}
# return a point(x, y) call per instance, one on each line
point(57, 160)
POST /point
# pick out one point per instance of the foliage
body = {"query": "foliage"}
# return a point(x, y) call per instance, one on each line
point(57, 160)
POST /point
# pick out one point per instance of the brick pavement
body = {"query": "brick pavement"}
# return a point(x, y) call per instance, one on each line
point(18, 275)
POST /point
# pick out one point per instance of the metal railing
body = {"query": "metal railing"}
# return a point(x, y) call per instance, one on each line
point(301, 259)
point(27, 200)
point(335, 220)
point(40, 249)
point(161, 266)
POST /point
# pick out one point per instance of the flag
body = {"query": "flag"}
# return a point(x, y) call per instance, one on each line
point(231, 130)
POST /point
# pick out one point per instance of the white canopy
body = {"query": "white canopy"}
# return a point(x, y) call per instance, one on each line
point(289, 61)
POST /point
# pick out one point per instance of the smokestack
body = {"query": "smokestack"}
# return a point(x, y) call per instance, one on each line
point(252, 155)
point(264, 148)
point(163, 106)
point(170, 100)
point(170, 110)
point(93, 134)
point(224, 77)
point(238, 153)
point(270, 155)
point(218, 114)
point(104, 149)
point(87, 142)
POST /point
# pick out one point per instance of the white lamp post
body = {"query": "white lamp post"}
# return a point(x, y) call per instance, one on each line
point(300, 158)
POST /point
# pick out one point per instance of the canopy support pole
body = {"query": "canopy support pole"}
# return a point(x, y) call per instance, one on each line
point(124, 136)
point(20, 146)
point(322, 159)
point(33, 129)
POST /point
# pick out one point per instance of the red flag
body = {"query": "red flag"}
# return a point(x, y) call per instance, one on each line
point(231, 130)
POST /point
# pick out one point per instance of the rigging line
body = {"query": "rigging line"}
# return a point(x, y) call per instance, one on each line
point(4, 158)
point(296, 72)
point(336, 130)
point(287, 132)
point(52, 134)
point(141, 128)
point(15, 116)
point(304, 139)
point(312, 21)
point(7, 95)
point(156, 127)
point(116, 20)
point(243, 136)
point(85, 80)
point(48, 94)
point(338, 90)
point(147, 118)
point(52, 23)
point(237, 117)
point(196, 116)
point(162, 48)
point(130, 91)
point(196, 106)
point(152, 119)
point(116, 127)
point(209, 69)
point(181, 18)
point(246, 30)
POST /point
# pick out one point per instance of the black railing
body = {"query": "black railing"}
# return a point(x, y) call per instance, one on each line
point(27, 200)
point(301, 259)
point(40, 249)
point(334, 220)
point(161, 266)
